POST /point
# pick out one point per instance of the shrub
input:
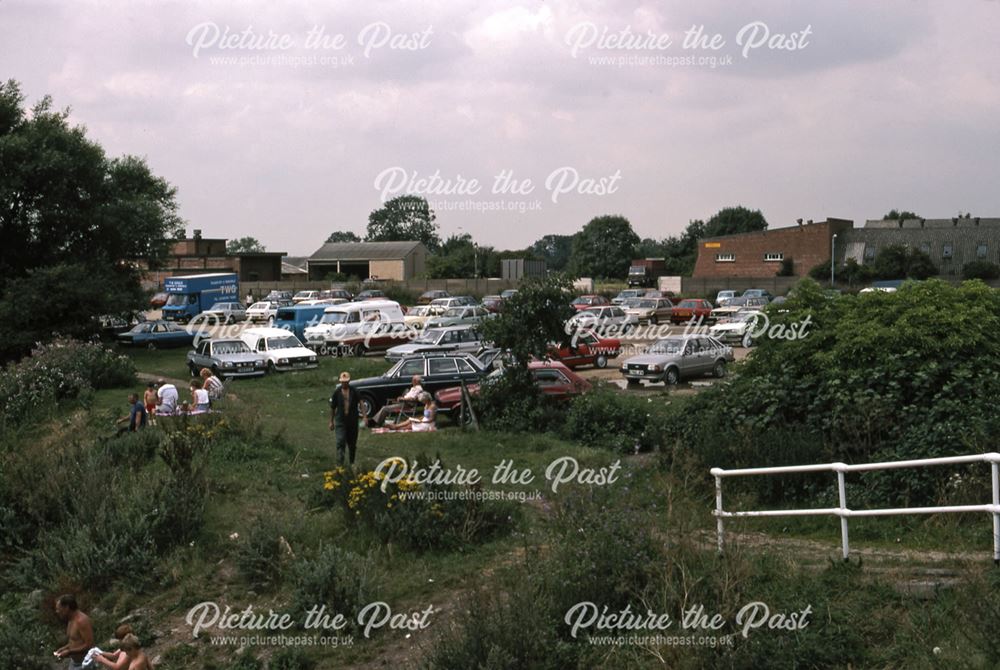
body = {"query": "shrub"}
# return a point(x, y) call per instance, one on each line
point(61, 370)
point(23, 638)
point(260, 554)
point(981, 270)
point(291, 659)
point(605, 419)
point(341, 580)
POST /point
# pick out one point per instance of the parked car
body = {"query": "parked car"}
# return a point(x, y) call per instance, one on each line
point(371, 336)
point(554, 380)
point(156, 335)
point(158, 300)
point(722, 298)
point(508, 294)
point(678, 357)
point(587, 350)
point(227, 312)
point(493, 303)
point(457, 316)
point(340, 323)
point(588, 301)
point(417, 316)
point(453, 338)
point(692, 309)
point(757, 293)
point(737, 329)
point(428, 296)
point(340, 294)
point(628, 294)
point(304, 295)
point(453, 301)
point(651, 310)
point(226, 357)
point(279, 296)
point(326, 302)
point(282, 350)
point(297, 319)
point(607, 317)
point(437, 371)
point(736, 305)
point(265, 311)
point(370, 294)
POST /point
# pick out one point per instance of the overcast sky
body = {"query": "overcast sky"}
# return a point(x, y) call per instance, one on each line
point(286, 121)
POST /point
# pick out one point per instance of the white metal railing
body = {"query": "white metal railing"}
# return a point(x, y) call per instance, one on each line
point(844, 512)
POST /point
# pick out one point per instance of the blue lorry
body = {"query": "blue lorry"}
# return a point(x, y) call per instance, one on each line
point(190, 295)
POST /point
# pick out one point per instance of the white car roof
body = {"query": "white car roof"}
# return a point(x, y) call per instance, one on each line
point(264, 331)
point(363, 305)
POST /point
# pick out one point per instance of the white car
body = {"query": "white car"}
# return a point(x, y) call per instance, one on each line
point(609, 320)
point(454, 301)
point(737, 329)
point(280, 348)
point(417, 316)
point(263, 311)
point(305, 295)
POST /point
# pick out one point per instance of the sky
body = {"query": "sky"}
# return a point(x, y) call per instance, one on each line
point(287, 121)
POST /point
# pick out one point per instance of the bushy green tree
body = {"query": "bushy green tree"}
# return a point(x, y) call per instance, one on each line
point(901, 262)
point(981, 270)
point(342, 236)
point(244, 245)
point(734, 220)
point(405, 217)
point(555, 250)
point(604, 248)
point(897, 215)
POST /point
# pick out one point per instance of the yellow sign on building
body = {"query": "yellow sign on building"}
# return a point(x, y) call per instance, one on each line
point(713, 245)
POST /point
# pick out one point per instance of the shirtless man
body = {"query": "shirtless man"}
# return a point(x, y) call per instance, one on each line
point(79, 631)
point(128, 657)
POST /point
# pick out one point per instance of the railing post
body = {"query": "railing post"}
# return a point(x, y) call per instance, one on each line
point(995, 467)
point(842, 489)
point(719, 529)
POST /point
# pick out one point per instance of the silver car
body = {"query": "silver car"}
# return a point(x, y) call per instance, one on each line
point(227, 312)
point(229, 357)
point(454, 338)
point(674, 358)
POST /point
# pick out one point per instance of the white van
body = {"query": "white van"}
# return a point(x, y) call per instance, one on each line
point(281, 348)
point(343, 321)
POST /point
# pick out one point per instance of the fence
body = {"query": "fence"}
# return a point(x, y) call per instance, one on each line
point(844, 512)
point(477, 287)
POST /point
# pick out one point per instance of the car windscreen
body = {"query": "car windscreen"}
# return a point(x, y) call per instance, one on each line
point(177, 300)
point(667, 346)
point(646, 304)
point(454, 311)
point(334, 317)
point(430, 336)
point(689, 304)
point(287, 342)
point(233, 347)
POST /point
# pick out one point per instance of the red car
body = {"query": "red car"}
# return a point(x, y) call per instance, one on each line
point(376, 337)
point(588, 301)
point(697, 308)
point(158, 300)
point(493, 303)
point(554, 380)
point(589, 350)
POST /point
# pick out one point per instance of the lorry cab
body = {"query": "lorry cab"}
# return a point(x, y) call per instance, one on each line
point(190, 295)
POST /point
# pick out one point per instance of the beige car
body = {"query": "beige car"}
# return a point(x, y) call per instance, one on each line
point(649, 310)
point(416, 317)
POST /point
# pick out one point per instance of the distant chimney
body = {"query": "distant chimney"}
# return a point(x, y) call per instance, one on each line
point(976, 220)
point(197, 234)
point(798, 221)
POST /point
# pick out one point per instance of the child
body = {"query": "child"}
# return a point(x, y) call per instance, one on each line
point(150, 400)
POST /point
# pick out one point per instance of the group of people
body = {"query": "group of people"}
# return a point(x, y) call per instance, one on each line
point(346, 416)
point(80, 648)
point(162, 398)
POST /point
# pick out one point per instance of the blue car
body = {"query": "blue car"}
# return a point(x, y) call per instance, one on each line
point(156, 335)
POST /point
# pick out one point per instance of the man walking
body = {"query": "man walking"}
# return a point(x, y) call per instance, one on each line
point(79, 631)
point(344, 415)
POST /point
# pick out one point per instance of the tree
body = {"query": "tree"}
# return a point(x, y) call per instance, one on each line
point(981, 270)
point(343, 236)
point(895, 215)
point(456, 257)
point(604, 248)
point(244, 245)
point(851, 272)
point(555, 250)
point(63, 202)
point(405, 217)
point(734, 220)
point(901, 262)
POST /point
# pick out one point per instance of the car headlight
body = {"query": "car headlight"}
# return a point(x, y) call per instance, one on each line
point(312, 359)
point(282, 361)
point(227, 364)
point(654, 368)
point(258, 364)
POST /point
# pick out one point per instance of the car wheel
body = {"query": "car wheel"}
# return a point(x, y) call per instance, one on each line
point(653, 320)
point(671, 377)
point(747, 341)
point(720, 369)
point(367, 405)
point(270, 368)
point(359, 350)
point(270, 322)
point(601, 362)
point(151, 346)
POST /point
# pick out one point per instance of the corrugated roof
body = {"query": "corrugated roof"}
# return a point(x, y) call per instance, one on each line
point(364, 251)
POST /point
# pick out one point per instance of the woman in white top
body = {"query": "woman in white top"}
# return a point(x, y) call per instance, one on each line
point(425, 423)
point(199, 398)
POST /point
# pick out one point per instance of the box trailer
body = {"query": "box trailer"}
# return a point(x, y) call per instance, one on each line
point(191, 295)
point(644, 271)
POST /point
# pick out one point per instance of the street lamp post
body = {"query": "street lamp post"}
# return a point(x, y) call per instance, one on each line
point(833, 258)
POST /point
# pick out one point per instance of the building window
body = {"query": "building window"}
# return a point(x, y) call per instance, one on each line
point(869, 252)
point(947, 250)
point(775, 257)
point(925, 247)
point(725, 258)
point(981, 250)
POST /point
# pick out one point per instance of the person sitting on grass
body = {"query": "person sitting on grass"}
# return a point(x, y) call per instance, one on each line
point(136, 416)
point(411, 397)
point(212, 384)
point(168, 397)
point(128, 657)
point(425, 423)
point(199, 398)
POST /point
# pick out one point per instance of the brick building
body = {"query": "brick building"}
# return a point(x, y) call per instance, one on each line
point(763, 253)
point(199, 254)
point(377, 260)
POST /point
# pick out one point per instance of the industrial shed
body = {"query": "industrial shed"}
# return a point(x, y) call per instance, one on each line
point(399, 261)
